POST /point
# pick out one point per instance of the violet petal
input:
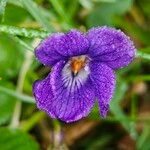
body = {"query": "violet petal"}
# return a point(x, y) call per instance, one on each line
point(103, 79)
point(61, 46)
point(43, 94)
point(72, 100)
point(110, 46)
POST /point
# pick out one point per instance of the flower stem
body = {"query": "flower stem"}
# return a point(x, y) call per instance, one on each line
point(57, 135)
point(143, 55)
point(17, 110)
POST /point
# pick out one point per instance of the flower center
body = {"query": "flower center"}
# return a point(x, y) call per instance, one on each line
point(77, 63)
point(76, 72)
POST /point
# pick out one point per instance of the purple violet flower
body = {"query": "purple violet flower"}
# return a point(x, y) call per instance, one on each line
point(82, 71)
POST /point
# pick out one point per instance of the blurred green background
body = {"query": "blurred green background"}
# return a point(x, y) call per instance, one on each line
point(23, 23)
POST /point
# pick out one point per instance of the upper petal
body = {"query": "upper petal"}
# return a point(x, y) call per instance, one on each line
point(110, 46)
point(46, 52)
point(73, 43)
point(61, 46)
point(103, 79)
point(73, 98)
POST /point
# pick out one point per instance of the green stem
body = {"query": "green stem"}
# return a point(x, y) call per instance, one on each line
point(143, 55)
point(17, 110)
point(17, 31)
point(133, 115)
point(57, 137)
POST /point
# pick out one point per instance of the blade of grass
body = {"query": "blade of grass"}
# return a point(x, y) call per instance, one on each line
point(134, 30)
point(22, 97)
point(21, 42)
point(15, 120)
point(31, 122)
point(143, 140)
point(59, 8)
point(73, 8)
point(117, 110)
point(138, 78)
point(45, 12)
point(30, 33)
point(15, 2)
point(38, 15)
point(133, 115)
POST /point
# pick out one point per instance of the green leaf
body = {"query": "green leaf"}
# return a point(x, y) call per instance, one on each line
point(116, 109)
point(38, 15)
point(72, 10)
point(16, 140)
point(7, 104)
point(104, 13)
point(10, 63)
point(48, 14)
point(145, 6)
point(143, 140)
point(18, 16)
point(30, 33)
point(100, 142)
point(133, 29)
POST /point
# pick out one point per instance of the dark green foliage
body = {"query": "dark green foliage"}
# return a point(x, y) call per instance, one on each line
point(22, 25)
point(15, 139)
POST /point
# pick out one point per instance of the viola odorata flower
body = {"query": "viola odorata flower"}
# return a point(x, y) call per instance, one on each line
point(83, 71)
